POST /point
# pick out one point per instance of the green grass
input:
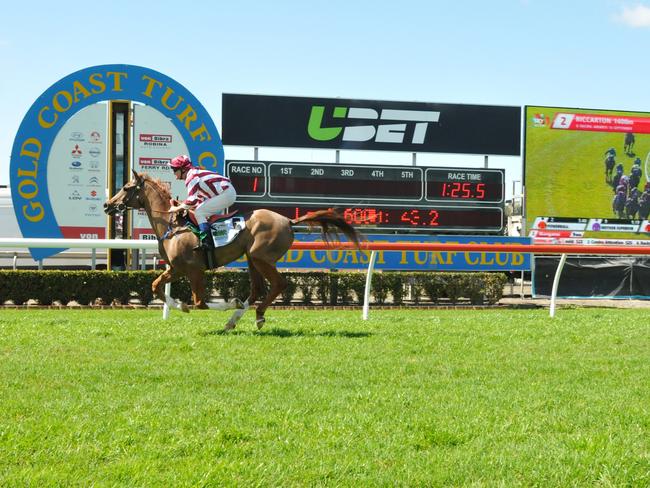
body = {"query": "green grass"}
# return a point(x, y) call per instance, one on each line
point(565, 170)
point(321, 398)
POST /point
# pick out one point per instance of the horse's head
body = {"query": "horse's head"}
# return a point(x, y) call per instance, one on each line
point(130, 196)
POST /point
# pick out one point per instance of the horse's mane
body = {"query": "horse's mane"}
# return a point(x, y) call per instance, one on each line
point(160, 185)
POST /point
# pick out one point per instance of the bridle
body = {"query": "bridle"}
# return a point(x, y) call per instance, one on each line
point(131, 192)
point(134, 192)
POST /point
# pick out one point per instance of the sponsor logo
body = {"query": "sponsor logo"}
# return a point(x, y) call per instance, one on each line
point(540, 120)
point(75, 165)
point(95, 136)
point(74, 196)
point(75, 179)
point(93, 210)
point(76, 151)
point(76, 136)
point(88, 235)
point(94, 152)
point(94, 165)
point(153, 140)
point(413, 122)
point(149, 162)
point(93, 180)
point(93, 193)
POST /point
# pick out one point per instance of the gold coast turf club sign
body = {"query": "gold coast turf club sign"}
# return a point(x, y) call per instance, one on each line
point(31, 149)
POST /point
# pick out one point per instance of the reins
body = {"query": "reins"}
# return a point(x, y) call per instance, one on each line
point(155, 187)
point(170, 232)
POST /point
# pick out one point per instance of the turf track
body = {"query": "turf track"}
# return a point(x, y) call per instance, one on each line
point(321, 398)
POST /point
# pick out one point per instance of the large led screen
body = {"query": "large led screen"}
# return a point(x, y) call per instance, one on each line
point(588, 171)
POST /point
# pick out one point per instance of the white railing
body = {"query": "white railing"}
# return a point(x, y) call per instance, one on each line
point(45, 243)
point(92, 244)
point(562, 250)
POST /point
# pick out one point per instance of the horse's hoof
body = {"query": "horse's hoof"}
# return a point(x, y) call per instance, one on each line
point(230, 325)
point(260, 323)
point(185, 308)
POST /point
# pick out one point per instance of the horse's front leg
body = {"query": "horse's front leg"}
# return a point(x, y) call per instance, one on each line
point(199, 295)
point(235, 303)
point(237, 314)
point(197, 284)
point(158, 289)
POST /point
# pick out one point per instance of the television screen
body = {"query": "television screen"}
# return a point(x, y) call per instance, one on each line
point(587, 171)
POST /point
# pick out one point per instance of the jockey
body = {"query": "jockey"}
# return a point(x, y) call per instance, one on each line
point(644, 205)
point(625, 180)
point(635, 175)
point(209, 193)
point(632, 204)
point(610, 152)
point(617, 177)
point(618, 203)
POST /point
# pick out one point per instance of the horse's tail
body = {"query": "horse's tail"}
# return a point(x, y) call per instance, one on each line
point(330, 222)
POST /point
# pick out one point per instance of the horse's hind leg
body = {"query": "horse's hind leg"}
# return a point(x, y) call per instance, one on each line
point(278, 284)
point(257, 288)
point(257, 284)
point(158, 289)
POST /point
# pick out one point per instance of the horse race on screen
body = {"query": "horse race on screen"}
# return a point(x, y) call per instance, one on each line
point(587, 164)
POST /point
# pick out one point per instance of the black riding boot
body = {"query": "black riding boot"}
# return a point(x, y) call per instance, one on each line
point(206, 243)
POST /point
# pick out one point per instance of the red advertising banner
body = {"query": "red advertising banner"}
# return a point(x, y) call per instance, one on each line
point(71, 232)
point(601, 123)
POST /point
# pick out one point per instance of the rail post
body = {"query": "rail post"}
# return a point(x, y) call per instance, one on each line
point(366, 293)
point(556, 284)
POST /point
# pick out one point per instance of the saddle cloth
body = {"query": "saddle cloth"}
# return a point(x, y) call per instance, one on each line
point(225, 230)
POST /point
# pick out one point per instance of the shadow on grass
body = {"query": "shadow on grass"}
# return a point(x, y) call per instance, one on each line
point(282, 333)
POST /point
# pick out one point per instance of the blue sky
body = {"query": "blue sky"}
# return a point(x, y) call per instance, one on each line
point(575, 53)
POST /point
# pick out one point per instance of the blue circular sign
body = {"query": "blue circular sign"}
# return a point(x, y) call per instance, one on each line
point(29, 156)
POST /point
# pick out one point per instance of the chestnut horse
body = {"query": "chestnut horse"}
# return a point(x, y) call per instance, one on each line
point(266, 237)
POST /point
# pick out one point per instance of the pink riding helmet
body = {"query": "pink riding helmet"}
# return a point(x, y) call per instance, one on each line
point(181, 162)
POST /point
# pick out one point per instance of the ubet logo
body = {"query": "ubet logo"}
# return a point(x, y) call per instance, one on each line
point(379, 132)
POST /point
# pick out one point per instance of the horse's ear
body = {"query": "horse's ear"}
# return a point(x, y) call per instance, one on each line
point(138, 178)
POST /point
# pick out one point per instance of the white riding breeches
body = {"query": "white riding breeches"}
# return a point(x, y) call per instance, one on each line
point(215, 205)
